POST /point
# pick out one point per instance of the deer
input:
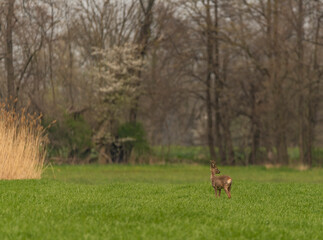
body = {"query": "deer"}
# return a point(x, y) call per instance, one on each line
point(221, 182)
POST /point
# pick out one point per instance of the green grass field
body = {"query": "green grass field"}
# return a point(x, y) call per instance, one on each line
point(162, 202)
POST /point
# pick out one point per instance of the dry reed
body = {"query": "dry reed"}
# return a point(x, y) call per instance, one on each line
point(22, 144)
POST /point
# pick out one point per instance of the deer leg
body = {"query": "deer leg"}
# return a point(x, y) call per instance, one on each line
point(216, 192)
point(219, 192)
point(227, 192)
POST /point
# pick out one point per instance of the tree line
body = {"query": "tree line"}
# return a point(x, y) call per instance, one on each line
point(238, 76)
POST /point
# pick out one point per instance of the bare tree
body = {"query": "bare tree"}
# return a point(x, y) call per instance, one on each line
point(9, 49)
point(143, 42)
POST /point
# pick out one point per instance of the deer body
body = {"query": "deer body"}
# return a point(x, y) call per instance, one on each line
point(221, 182)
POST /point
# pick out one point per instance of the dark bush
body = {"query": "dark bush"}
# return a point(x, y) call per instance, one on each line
point(69, 138)
point(134, 139)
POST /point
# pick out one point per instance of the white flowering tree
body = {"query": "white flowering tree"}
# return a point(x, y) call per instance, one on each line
point(118, 86)
point(117, 75)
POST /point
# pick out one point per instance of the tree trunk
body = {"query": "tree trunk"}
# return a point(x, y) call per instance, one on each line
point(277, 90)
point(313, 93)
point(302, 111)
point(209, 118)
point(70, 80)
point(143, 41)
point(254, 143)
point(50, 52)
point(255, 131)
point(228, 142)
point(208, 84)
point(9, 51)
point(218, 86)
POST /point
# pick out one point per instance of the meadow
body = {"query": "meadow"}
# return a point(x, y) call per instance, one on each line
point(162, 202)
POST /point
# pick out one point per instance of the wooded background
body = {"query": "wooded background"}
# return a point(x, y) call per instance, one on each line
point(228, 74)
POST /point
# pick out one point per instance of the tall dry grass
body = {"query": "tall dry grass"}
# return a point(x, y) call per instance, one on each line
point(22, 144)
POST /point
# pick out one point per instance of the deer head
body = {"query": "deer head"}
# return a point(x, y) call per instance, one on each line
point(214, 168)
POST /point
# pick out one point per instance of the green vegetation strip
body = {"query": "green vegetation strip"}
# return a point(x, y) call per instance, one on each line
point(162, 202)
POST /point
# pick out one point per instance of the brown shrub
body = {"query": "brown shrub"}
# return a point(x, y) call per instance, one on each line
point(22, 144)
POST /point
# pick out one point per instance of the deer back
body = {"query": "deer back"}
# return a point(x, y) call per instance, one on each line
point(222, 181)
